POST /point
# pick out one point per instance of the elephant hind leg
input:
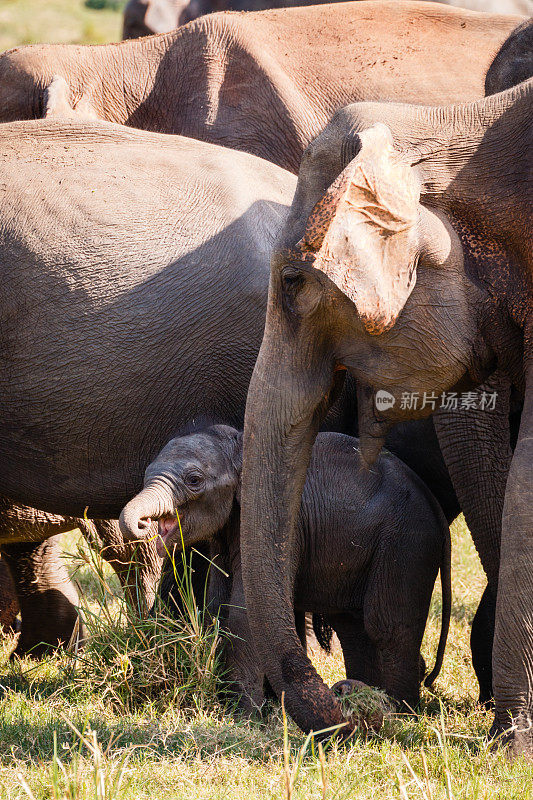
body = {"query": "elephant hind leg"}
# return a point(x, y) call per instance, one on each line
point(358, 650)
point(47, 597)
point(481, 641)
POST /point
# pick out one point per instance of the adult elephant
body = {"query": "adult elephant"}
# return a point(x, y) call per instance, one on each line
point(146, 17)
point(406, 260)
point(136, 237)
point(257, 82)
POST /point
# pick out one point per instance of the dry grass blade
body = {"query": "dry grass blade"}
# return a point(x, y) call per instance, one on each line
point(323, 776)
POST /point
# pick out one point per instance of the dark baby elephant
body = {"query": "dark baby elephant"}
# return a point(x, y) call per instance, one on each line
point(368, 549)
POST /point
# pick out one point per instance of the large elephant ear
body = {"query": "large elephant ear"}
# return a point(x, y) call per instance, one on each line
point(363, 233)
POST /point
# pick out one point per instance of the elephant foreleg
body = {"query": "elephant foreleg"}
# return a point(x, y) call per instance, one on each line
point(246, 678)
point(476, 445)
point(9, 604)
point(481, 641)
point(47, 597)
point(512, 660)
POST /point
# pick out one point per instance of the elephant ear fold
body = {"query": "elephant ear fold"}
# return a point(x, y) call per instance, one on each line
point(363, 233)
point(57, 102)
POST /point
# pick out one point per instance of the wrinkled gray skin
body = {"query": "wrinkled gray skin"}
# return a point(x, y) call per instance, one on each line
point(443, 305)
point(368, 544)
point(257, 82)
point(145, 17)
point(9, 606)
point(40, 587)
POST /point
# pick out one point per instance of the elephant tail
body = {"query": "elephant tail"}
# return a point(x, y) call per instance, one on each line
point(446, 584)
point(323, 632)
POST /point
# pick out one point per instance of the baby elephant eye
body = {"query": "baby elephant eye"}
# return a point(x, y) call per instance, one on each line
point(194, 480)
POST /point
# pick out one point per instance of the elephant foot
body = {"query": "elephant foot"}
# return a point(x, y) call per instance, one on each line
point(518, 737)
point(486, 700)
point(361, 704)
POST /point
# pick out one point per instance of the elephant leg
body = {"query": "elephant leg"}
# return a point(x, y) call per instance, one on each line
point(476, 445)
point(47, 597)
point(245, 677)
point(41, 573)
point(399, 665)
point(481, 640)
point(358, 650)
point(512, 660)
point(9, 604)
point(137, 564)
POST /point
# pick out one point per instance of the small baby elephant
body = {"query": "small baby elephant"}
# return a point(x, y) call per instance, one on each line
point(370, 544)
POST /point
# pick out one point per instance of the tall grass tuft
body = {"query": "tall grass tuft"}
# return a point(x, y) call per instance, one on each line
point(163, 659)
point(94, 778)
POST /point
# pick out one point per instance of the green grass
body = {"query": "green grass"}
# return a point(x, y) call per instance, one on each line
point(32, 21)
point(159, 748)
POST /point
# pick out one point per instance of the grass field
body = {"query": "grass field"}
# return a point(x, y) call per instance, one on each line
point(31, 21)
point(159, 751)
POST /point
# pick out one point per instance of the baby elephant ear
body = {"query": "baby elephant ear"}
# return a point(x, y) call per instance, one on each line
point(363, 234)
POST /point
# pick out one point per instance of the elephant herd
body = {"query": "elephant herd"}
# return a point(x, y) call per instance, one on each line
point(144, 17)
point(359, 176)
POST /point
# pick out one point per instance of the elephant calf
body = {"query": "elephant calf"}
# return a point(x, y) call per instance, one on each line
point(370, 544)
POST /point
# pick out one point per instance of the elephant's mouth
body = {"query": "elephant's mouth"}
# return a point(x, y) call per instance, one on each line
point(168, 531)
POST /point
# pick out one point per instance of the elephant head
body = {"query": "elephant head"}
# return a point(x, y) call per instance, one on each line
point(146, 17)
point(190, 488)
point(371, 281)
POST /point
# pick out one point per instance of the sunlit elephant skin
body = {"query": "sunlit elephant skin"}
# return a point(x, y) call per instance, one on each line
point(257, 82)
point(146, 17)
point(369, 548)
point(406, 261)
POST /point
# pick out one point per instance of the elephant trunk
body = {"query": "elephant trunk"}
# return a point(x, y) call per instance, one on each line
point(136, 517)
point(282, 418)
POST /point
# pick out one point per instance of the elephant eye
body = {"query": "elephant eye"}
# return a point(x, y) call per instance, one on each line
point(292, 278)
point(194, 480)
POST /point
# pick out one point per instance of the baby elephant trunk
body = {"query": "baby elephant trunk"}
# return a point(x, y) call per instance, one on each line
point(136, 517)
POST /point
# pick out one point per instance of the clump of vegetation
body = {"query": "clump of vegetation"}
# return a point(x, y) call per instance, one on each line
point(113, 5)
point(367, 707)
point(160, 658)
